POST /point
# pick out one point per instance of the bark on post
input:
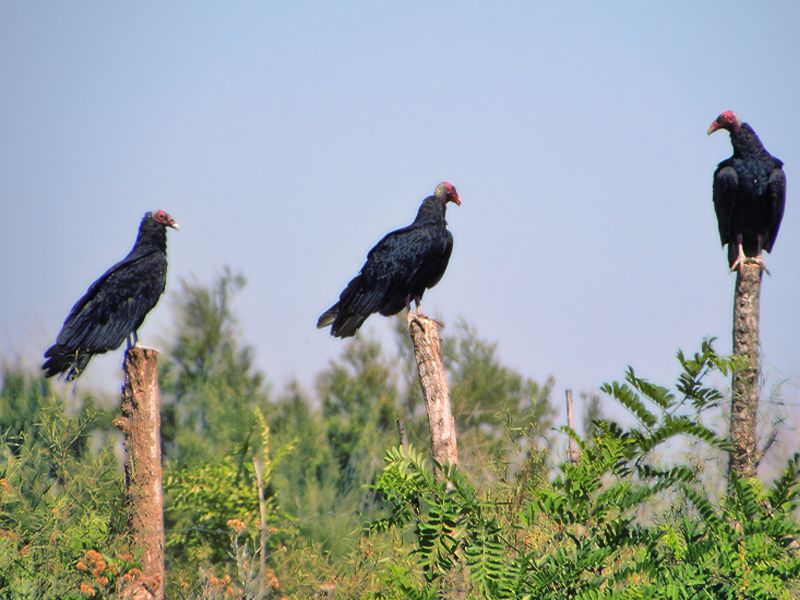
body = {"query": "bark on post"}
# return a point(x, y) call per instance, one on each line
point(433, 380)
point(573, 448)
point(141, 424)
point(746, 380)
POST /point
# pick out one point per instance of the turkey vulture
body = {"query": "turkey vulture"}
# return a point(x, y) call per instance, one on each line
point(749, 194)
point(114, 306)
point(400, 267)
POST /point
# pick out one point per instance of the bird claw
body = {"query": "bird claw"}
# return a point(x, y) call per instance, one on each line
point(742, 260)
point(415, 318)
point(759, 260)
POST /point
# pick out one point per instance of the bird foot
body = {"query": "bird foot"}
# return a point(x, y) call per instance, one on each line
point(738, 263)
point(759, 260)
point(415, 318)
point(742, 260)
point(143, 347)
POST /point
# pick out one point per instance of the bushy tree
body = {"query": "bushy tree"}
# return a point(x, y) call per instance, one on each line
point(60, 490)
point(208, 381)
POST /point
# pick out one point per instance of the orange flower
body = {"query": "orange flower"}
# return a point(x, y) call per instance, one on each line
point(214, 581)
point(82, 566)
point(126, 556)
point(225, 580)
point(272, 581)
point(112, 567)
point(102, 580)
point(87, 590)
point(93, 555)
point(237, 525)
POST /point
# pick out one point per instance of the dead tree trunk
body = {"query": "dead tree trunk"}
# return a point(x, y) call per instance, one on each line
point(746, 380)
point(141, 424)
point(433, 380)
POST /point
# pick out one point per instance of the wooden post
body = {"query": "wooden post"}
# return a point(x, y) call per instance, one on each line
point(573, 449)
point(433, 380)
point(141, 424)
point(746, 380)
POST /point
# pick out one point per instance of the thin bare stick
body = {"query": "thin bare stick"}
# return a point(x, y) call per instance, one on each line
point(262, 504)
point(401, 431)
point(573, 448)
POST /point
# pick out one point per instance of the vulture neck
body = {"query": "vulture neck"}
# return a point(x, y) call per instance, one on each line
point(746, 143)
point(431, 212)
point(152, 236)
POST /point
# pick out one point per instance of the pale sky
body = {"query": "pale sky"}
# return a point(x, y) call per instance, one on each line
point(287, 137)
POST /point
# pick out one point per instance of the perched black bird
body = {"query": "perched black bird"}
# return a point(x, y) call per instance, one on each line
point(399, 268)
point(749, 194)
point(114, 306)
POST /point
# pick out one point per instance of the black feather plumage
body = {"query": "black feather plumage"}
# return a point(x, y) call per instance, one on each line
point(749, 192)
point(114, 306)
point(398, 269)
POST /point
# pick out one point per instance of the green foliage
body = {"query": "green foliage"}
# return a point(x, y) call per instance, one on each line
point(582, 535)
point(60, 490)
point(634, 517)
point(209, 386)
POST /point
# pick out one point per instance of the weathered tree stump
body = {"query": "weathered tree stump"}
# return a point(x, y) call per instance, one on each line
point(433, 380)
point(745, 387)
point(141, 424)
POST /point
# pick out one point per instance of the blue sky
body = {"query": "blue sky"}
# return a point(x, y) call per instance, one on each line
point(287, 138)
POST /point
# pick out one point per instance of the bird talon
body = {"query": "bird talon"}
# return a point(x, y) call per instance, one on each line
point(415, 318)
point(759, 260)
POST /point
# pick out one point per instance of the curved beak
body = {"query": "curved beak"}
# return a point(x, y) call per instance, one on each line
point(175, 226)
point(713, 127)
point(456, 199)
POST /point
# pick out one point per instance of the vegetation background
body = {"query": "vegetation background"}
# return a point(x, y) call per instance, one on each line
point(645, 512)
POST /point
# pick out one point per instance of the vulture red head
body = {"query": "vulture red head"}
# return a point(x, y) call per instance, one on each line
point(446, 192)
point(162, 218)
point(727, 120)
